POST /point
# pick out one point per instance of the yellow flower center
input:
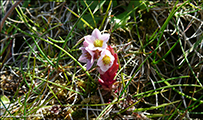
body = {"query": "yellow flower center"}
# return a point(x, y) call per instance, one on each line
point(98, 43)
point(106, 60)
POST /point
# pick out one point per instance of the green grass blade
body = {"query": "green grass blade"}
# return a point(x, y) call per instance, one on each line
point(80, 17)
point(167, 87)
point(91, 13)
point(155, 107)
point(189, 63)
point(173, 78)
point(54, 94)
point(105, 14)
point(162, 58)
point(58, 85)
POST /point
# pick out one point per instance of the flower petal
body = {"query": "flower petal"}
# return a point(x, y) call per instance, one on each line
point(104, 37)
point(104, 46)
point(85, 43)
point(89, 39)
point(82, 59)
point(87, 57)
point(103, 66)
point(89, 65)
point(99, 62)
point(96, 33)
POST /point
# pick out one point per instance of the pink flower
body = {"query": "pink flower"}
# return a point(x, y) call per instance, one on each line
point(106, 60)
point(107, 78)
point(87, 57)
point(95, 48)
point(96, 41)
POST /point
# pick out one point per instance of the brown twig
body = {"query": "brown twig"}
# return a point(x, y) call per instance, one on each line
point(8, 13)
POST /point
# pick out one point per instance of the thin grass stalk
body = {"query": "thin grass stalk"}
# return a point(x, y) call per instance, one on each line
point(109, 6)
point(173, 78)
point(189, 63)
point(169, 51)
point(7, 109)
point(91, 14)
point(58, 85)
point(155, 107)
point(54, 94)
point(169, 86)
